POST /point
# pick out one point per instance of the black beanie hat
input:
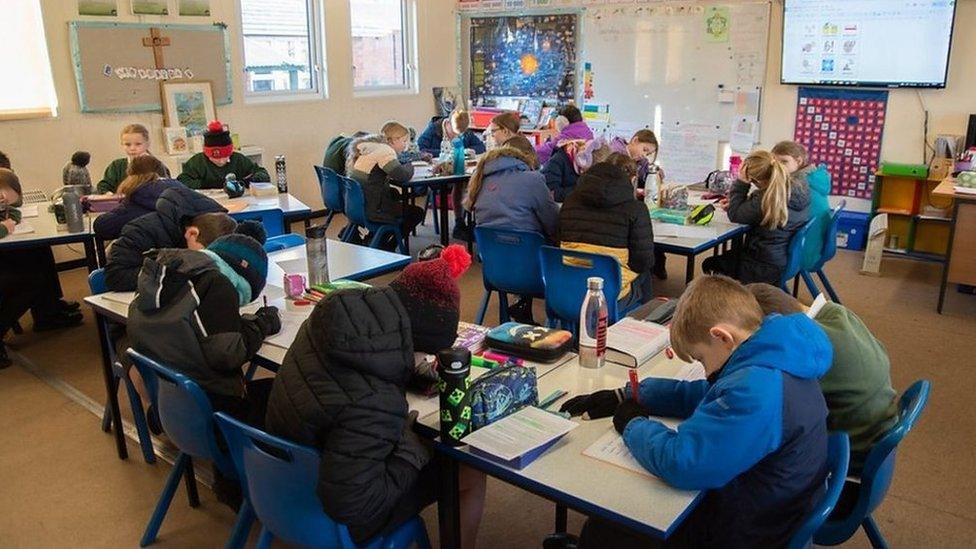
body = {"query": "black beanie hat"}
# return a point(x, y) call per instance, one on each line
point(246, 256)
point(254, 229)
point(216, 141)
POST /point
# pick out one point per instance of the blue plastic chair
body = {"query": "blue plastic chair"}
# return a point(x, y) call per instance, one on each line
point(273, 220)
point(96, 283)
point(283, 242)
point(879, 469)
point(500, 250)
point(794, 262)
point(356, 212)
point(332, 193)
point(565, 285)
point(281, 478)
point(829, 251)
point(187, 417)
point(838, 458)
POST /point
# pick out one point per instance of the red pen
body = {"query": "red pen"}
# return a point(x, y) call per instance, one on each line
point(634, 384)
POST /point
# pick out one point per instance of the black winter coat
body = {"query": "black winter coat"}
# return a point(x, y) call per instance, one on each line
point(560, 174)
point(603, 214)
point(160, 229)
point(766, 251)
point(341, 390)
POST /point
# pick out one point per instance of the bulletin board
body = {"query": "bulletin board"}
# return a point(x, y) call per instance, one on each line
point(118, 69)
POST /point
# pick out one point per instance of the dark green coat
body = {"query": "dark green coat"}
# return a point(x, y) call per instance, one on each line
point(114, 174)
point(200, 173)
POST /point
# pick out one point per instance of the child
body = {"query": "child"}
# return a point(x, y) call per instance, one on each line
point(341, 389)
point(336, 151)
point(860, 399)
point(373, 163)
point(183, 219)
point(135, 143)
point(209, 169)
point(576, 130)
point(446, 128)
point(774, 214)
point(754, 435)
point(502, 127)
point(570, 160)
point(146, 180)
point(602, 216)
point(817, 179)
point(75, 172)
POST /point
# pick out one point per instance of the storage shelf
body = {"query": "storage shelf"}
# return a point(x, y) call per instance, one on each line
point(937, 258)
point(894, 211)
point(934, 218)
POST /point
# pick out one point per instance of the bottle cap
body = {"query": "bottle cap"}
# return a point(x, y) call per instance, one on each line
point(594, 283)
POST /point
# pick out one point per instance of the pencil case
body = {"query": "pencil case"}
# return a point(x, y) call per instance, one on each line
point(535, 343)
point(501, 392)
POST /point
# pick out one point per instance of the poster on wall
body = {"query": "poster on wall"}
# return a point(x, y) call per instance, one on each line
point(105, 8)
point(523, 56)
point(198, 8)
point(842, 129)
point(150, 7)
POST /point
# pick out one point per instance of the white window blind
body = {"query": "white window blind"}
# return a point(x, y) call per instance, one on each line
point(29, 91)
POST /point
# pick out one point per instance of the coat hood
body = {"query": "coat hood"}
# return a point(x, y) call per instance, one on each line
point(177, 203)
point(147, 195)
point(604, 186)
point(817, 178)
point(366, 330)
point(508, 161)
point(165, 275)
point(575, 131)
point(794, 344)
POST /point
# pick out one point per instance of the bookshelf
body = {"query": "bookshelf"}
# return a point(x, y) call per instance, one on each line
point(918, 221)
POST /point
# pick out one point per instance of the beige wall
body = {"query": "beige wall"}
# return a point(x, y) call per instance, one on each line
point(300, 130)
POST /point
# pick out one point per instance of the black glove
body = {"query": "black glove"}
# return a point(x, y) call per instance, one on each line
point(628, 410)
point(268, 320)
point(594, 405)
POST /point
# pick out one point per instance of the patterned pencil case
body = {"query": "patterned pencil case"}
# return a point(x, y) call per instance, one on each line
point(501, 392)
point(535, 343)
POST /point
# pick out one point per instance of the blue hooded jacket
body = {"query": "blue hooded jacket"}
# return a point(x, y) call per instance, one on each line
point(755, 437)
point(817, 179)
point(515, 197)
point(430, 139)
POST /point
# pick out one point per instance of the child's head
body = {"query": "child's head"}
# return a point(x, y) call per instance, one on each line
point(246, 256)
point(522, 144)
point(774, 300)
point(767, 173)
point(4, 160)
point(792, 154)
point(205, 228)
point(397, 135)
point(626, 164)
point(10, 190)
point(217, 143)
point(642, 145)
point(572, 114)
point(503, 127)
point(135, 140)
point(457, 123)
point(524, 153)
point(141, 170)
point(588, 153)
point(714, 316)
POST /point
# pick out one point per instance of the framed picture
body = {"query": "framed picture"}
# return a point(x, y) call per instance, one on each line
point(188, 104)
point(176, 140)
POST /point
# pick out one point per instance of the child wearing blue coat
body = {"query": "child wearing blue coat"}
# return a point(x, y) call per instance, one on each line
point(794, 156)
point(447, 128)
point(754, 437)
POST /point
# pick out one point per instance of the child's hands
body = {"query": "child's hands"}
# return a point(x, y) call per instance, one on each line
point(628, 410)
point(268, 320)
point(10, 224)
point(594, 405)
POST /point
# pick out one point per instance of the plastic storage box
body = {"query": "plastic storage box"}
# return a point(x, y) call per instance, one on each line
point(852, 230)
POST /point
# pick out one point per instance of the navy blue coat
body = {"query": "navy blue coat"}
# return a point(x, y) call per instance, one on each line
point(430, 139)
point(560, 174)
point(108, 226)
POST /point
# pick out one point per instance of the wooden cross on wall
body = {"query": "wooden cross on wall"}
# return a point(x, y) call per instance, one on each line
point(157, 42)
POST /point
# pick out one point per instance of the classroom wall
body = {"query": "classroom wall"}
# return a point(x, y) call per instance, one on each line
point(300, 130)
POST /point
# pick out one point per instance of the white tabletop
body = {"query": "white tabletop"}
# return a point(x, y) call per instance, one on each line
point(285, 202)
point(695, 239)
point(45, 229)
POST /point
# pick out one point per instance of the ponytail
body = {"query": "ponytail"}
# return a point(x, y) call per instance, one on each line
point(770, 175)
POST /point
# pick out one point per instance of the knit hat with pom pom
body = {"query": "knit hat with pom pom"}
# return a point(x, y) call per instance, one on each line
point(216, 140)
point(429, 292)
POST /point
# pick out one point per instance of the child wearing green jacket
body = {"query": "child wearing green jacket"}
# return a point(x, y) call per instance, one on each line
point(860, 398)
point(797, 161)
point(209, 169)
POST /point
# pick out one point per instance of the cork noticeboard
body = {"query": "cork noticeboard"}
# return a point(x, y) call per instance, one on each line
point(118, 66)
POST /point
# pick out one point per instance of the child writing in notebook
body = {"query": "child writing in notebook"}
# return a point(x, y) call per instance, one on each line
point(794, 156)
point(145, 181)
point(209, 169)
point(135, 143)
point(774, 213)
point(754, 435)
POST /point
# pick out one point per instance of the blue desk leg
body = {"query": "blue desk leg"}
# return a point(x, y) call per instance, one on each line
point(449, 502)
point(111, 386)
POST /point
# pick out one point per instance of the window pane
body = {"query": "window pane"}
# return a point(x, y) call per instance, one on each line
point(377, 43)
point(277, 54)
point(25, 55)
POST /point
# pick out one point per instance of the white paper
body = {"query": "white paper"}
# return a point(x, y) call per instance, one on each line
point(425, 406)
point(817, 304)
point(23, 228)
point(125, 298)
point(30, 210)
point(745, 133)
point(294, 266)
point(689, 152)
point(610, 448)
point(672, 230)
point(519, 433)
point(290, 324)
point(691, 371)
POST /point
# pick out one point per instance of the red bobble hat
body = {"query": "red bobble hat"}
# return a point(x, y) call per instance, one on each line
point(216, 141)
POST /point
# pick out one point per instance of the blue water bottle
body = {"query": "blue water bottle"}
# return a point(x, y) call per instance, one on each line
point(458, 155)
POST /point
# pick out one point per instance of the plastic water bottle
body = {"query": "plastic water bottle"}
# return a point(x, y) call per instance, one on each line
point(317, 254)
point(73, 213)
point(458, 155)
point(593, 325)
point(280, 177)
point(446, 150)
point(453, 367)
point(652, 186)
point(735, 162)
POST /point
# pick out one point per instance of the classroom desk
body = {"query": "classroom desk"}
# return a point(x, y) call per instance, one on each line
point(723, 232)
point(347, 261)
point(46, 233)
point(423, 177)
point(293, 208)
point(567, 477)
point(960, 263)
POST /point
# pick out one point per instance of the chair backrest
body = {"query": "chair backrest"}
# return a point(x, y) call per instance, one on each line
point(838, 458)
point(96, 282)
point(184, 411)
point(830, 237)
point(564, 273)
point(273, 220)
point(355, 201)
point(283, 242)
point(281, 479)
point(331, 187)
point(794, 261)
point(500, 250)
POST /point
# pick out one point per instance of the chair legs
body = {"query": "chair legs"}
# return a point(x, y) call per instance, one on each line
point(265, 539)
point(874, 534)
point(192, 497)
point(796, 285)
point(242, 527)
point(165, 498)
point(483, 308)
point(828, 287)
point(138, 414)
point(503, 315)
point(810, 283)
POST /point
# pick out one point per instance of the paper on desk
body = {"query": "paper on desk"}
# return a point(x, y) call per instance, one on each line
point(684, 231)
point(610, 448)
point(693, 371)
point(30, 210)
point(519, 433)
point(23, 228)
point(290, 324)
point(125, 298)
point(294, 266)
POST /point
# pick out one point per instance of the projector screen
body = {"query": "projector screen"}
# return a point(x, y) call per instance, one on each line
point(876, 43)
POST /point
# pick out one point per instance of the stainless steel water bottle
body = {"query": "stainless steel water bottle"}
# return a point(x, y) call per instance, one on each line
point(317, 252)
point(73, 213)
point(281, 178)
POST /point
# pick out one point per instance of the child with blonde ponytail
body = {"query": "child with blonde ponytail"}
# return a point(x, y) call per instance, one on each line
point(775, 211)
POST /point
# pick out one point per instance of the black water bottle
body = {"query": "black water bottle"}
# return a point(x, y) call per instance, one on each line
point(454, 365)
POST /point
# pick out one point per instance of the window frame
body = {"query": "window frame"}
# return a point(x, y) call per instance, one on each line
point(317, 57)
point(411, 71)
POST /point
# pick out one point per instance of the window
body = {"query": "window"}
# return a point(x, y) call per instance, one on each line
point(25, 55)
point(382, 44)
point(282, 56)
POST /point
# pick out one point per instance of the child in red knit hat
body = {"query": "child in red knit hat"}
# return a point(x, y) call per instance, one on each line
point(209, 169)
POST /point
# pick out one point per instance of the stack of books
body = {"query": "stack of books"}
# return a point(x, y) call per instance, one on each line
point(471, 337)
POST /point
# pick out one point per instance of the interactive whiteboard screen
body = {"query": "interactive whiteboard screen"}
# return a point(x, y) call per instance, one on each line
point(881, 43)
